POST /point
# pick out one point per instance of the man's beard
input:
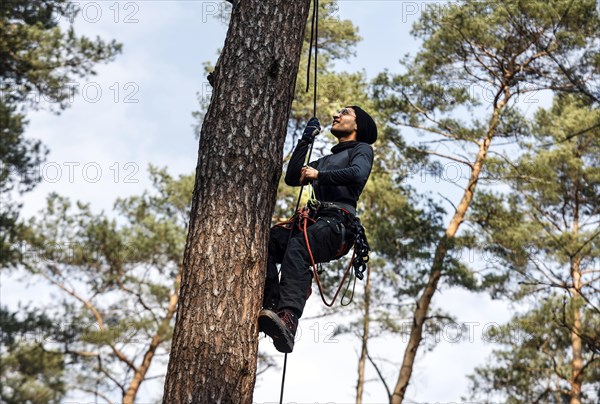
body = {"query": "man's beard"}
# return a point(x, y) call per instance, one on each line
point(339, 133)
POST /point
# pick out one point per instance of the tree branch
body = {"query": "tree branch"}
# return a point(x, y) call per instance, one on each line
point(109, 376)
point(96, 392)
point(589, 240)
point(555, 280)
point(572, 135)
point(138, 296)
point(387, 389)
point(467, 163)
point(421, 111)
point(448, 200)
point(156, 340)
point(94, 312)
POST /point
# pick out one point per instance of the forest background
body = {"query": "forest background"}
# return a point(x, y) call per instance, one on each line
point(138, 110)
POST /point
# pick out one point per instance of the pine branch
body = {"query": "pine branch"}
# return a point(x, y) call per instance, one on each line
point(572, 135)
point(449, 201)
point(593, 344)
point(109, 376)
point(576, 82)
point(154, 377)
point(387, 388)
point(589, 240)
point(554, 364)
point(588, 363)
point(555, 280)
point(472, 50)
point(139, 298)
point(94, 312)
point(447, 134)
point(156, 340)
point(97, 393)
point(467, 163)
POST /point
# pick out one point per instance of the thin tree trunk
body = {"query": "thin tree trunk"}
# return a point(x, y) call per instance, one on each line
point(215, 342)
point(420, 314)
point(576, 342)
point(360, 384)
point(157, 339)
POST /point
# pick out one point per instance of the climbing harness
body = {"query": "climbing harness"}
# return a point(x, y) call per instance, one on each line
point(360, 256)
point(354, 237)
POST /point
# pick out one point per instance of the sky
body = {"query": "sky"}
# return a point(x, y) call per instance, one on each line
point(138, 111)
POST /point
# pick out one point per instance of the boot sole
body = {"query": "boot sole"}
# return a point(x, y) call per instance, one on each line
point(270, 324)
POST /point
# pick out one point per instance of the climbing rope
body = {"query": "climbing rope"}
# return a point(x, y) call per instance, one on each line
point(283, 379)
point(304, 218)
point(360, 256)
point(314, 34)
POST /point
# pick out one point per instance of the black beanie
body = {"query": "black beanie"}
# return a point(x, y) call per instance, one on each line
point(367, 129)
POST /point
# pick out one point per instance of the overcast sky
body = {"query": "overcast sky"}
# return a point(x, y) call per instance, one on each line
point(137, 111)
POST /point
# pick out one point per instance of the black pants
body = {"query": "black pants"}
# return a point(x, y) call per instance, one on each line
point(326, 237)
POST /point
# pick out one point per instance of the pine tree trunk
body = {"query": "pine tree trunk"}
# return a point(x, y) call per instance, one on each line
point(215, 342)
point(420, 314)
point(577, 348)
point(360, 384)
point(576, 342)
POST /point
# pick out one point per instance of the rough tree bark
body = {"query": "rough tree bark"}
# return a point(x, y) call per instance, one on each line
point(215, 342)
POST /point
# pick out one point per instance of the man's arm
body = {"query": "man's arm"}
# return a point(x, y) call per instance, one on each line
point(357, 172)
point(292, 175)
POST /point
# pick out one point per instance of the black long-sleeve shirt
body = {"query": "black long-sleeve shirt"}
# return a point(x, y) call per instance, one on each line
point(342, 174)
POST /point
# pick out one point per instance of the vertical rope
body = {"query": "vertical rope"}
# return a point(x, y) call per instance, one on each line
point(314, 34)
point(283, 379)
point(316, 23)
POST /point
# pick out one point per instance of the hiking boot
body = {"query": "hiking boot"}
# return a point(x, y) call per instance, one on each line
point(281, 327)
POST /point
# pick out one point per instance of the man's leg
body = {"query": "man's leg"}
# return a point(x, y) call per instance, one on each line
point(271, 293)
point(325, 239)
point(277, 244)
point(295, 276)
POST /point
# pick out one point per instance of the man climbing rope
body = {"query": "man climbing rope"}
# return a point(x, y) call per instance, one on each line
point(338, 180)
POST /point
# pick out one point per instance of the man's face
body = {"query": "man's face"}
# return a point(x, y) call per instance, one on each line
point(344, 123)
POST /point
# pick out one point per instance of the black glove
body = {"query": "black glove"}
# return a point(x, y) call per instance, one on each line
point(313, 128)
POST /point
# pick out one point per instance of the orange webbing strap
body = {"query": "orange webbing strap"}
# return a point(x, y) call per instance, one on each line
point(304, 220)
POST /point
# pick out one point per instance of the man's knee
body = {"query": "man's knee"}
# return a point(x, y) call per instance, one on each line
point(278, 237)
